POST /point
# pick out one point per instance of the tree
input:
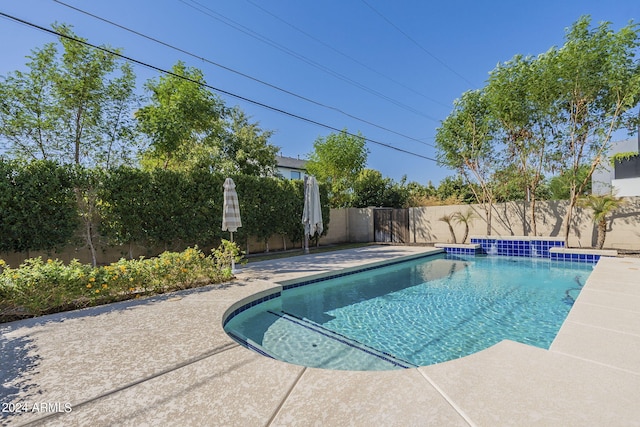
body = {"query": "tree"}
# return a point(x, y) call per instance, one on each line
point(454, 190)
point(245, 148)
point(74, 108)
point(421, 195)
point(337, 160)
point(521, 103)
point(372, 189)
point(183, 114)
point(511, 184)
point(465, 144)
point(596, 80)
point(601, 206)
point(466, 219)
point(448, 219)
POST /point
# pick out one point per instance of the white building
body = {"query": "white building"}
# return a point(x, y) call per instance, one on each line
point(623, 179)
point(291, 168)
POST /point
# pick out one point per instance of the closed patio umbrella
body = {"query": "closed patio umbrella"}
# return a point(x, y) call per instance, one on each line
point(230, 212)
point(312, 213)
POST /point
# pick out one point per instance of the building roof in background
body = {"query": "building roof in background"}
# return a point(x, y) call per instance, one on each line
point(291, 163)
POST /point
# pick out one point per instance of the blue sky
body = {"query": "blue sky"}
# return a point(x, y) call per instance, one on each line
point(390, 70)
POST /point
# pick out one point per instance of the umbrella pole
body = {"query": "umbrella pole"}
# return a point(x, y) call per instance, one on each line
point(233, 258)
point(306, 228)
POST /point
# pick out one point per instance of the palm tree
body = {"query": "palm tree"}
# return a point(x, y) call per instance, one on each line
point(466, 219)
point(601, 206)
point(448, 219)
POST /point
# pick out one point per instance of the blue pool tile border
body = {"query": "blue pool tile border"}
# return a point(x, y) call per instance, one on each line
point(250, 304)
point(463, 251)
point(571, 257)
point(517, 247)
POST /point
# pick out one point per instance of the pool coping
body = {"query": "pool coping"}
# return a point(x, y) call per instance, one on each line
point(195, 374)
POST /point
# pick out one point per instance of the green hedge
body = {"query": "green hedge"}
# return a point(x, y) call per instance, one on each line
point(40, 209)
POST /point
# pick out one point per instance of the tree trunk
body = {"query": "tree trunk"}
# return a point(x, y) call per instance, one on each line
point(453, 235)
point(94, 260)
point(532, 207)
point(466, 233)
point(487, 214)
point(602, 232)
point(569, 216)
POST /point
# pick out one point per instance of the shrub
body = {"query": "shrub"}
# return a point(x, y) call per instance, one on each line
point(40, 286)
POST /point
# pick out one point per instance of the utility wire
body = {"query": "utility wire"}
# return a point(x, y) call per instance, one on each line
point(344, 55)
point(193, 55)
point(411, 39)
point(222, 91)
point(237, 26)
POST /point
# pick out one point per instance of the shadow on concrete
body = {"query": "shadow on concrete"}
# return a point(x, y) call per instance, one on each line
point(19, 358)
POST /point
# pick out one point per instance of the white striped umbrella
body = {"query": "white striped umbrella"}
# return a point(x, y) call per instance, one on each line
point(312, 213)
point(231, 212)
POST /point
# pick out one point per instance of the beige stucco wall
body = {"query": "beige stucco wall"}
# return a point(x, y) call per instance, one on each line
point(513, 219)
point(338, 230)
point(509, 219)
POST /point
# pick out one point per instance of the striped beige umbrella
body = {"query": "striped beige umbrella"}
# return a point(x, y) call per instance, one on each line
point(230, 212)
point(312, 213)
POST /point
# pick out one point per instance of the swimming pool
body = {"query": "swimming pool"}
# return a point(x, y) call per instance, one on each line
point(414, 313)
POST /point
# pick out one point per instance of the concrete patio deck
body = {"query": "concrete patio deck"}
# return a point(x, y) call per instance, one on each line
point(167, 361)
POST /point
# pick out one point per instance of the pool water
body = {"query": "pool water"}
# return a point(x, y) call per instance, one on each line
point(414, 313)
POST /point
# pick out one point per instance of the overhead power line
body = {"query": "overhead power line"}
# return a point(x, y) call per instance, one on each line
point(344, 55)
point(412, 40)
point(193, 55)
point(222, 91)
point(203, 9)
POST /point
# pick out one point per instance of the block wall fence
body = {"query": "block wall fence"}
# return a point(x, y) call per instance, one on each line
point(355, 225)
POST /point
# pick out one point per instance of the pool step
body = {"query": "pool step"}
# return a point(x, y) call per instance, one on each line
point(250, 344)
point(312, 326)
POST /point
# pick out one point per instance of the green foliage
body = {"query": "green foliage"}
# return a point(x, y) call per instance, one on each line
point(619, 157)
point(511, 184)
point(560, 186)
point(70, 108)
point(454, 188)
point(554, 112)
point(601, 206)
point(421, 195)
point(124, 196)
point(465, 143)
point(244, 148)
point(190, 128)
point(337, 160)
point(464, 140)
point(182, 114)
point(372, 189)
point(39, 287)
point(522, 105)
point(43, 206)
point(37, 206)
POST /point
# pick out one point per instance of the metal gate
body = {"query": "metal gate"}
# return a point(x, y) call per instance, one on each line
point(391, 225)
